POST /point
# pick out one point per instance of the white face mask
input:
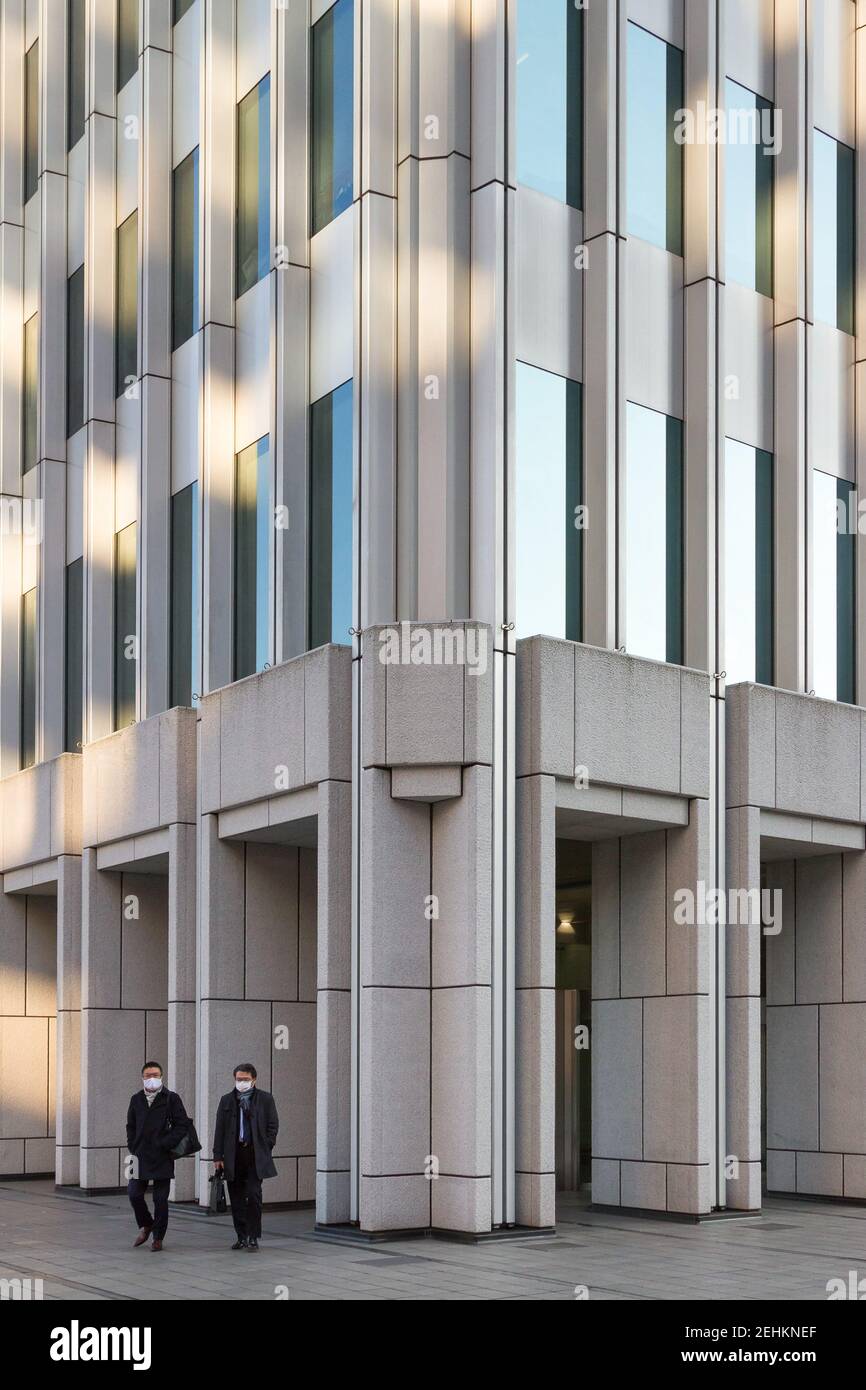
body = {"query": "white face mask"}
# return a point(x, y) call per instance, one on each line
point(243, 1086)
point(152, 1083)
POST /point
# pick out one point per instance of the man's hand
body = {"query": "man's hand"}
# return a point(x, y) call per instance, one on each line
point(217, 1163)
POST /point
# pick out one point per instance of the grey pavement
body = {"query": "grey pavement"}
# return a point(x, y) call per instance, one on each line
point(81, 1249)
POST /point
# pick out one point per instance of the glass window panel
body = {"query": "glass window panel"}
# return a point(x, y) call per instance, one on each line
point(185, 250)
point(74, 655)
point(75, 72)
point(28, 678)
point(833, 232)
point(253, 532)
point(547, 495)
point(127, 41)
point(749, 189)
point(845, 238)
point(550, 98)
point(127, 305)
point(748, 564)
point(254, 186)
point(180, 9)
point(75, 352)
point(832, 588)
point(125, 626)
point(331, 500)
point(332, 134)
point(654, 536)
point(31, 121)
point(184, 596)
point(654, 188)
point(31, 393)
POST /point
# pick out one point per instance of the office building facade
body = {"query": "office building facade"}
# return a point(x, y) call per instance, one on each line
point(431, 442)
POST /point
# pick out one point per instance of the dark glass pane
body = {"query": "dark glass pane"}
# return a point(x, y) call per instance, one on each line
point(28, 679)
point(127, 304)
point(573, 500)
point(654, 166)
point(184, 595)
point(331, 493)
point(74, 655)
point(332, 135)
point(845, 240)
point(180, 9)
point(125, 626)
point(674, 541)
point(254, 187)
point(765, 162)
point(75, 352)
point(547, 496)
point(75, 72)
point(674, 151)
point(185, 250)
point(31, 122)
point(749, 162)
point(764, 568)
point(127, 41)
point(845, 636)
point(252, 558)
point(31, 392)
point(550, 99)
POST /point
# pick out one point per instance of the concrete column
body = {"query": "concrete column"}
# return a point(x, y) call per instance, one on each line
point(789, 270)
point(395, 1019)
point(333, 1004)
point(218, 317)
point(461, 1038)
point(68, 1103)
point(12, 45)
point(604, 57)
point(292, 326)
point(702, 321)
point(28, 1010)
point(154, 482)
point(433, 315)
point(181, 1062)
point(377, 357)
point(860, 317)
point(536, 999)
point(743, 1033)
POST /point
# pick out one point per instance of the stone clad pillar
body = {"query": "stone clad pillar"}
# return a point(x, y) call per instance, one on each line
point(426, 1076)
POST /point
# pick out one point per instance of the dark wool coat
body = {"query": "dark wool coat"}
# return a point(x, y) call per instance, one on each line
point(263, 1124)
point(151, 1130)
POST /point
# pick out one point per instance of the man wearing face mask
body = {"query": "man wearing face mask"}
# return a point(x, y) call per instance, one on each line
point(155, 1123)
point(244, 1136)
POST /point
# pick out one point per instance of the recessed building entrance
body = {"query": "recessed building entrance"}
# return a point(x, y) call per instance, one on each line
point(573, 929)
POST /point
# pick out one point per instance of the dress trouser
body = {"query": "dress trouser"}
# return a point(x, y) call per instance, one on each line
point(159, 1221)
point(245, 1194)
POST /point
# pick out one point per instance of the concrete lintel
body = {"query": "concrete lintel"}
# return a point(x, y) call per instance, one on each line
point(599, 812)
point(38, 878)
point(142, 854)
point(290, 818)
point(787, 836)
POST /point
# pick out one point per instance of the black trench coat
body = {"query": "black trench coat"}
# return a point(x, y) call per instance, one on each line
point(263, 1123)
point(151, 1130)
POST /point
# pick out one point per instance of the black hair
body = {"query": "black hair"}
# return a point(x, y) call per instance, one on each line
point(246, 1066)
